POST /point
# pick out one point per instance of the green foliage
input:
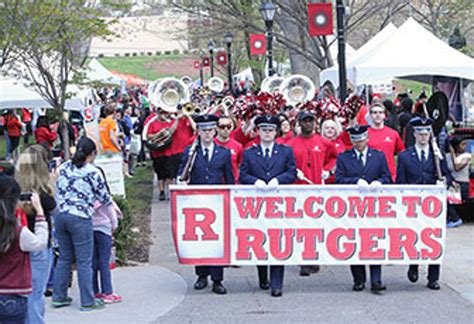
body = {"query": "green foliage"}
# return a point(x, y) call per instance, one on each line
point(124, 237)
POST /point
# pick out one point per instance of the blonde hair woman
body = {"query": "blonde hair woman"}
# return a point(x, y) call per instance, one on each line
point(331, 130)
point(32, 174)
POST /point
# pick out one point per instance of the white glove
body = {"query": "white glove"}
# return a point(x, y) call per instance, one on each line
point(300, 175)
point(325, 174)
point(441, 182)
point(180, 182)
point(363, 184)
point(375, 185)
point(273, 184)
point(260, 184)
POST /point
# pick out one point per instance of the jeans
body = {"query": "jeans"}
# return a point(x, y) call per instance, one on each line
point(8, 145)
point(13, 309)
point(102, 251)
point(76, 241)
point(40, 266)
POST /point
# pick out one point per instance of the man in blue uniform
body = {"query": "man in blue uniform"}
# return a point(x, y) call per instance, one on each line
point(212, 165)
point(368, 169)
point(268, 165)
point(416, 165)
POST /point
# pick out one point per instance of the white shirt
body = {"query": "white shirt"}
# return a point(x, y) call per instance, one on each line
point(270, 147)
point(418, 150)
point(364, 154)
point(210, 148)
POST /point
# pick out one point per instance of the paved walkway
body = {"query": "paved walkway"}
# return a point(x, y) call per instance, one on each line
point(161, 292)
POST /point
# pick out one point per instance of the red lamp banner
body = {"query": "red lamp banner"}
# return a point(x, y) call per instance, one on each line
point(258, 44)
point(206, 62)
point(197, 65)
point(320, 20)
point(221, 58)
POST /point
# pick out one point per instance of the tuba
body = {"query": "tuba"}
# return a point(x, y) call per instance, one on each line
point(215, 84)
point(297, 89)
point(272, 84)
point(169, 93)
point(187, 80)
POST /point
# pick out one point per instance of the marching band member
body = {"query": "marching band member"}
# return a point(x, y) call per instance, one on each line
point(267, 165)
point(384, 138)
point(416, 165)
point(314, 156)
point(365, 167)
point(212, 166)
point(224, 128)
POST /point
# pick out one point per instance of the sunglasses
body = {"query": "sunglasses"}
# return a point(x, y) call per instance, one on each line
point(225, 126)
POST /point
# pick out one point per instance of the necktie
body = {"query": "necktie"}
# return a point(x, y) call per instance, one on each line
point(267, 154)
point(206, 154)
point(423, 156)
point(361, 161)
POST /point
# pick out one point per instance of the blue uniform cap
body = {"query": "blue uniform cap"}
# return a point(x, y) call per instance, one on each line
point(358, 132)
point(267, 121)
point(421, 125)
point(206, 121)
point(305, 114)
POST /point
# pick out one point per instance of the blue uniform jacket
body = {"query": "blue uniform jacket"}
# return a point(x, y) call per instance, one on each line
point(216, 171)
point(410, 170)
point(281, 165)
point(349, 170)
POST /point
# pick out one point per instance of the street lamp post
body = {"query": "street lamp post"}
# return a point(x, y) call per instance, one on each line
point(201, 72)
point(228, 38)
point(268, 10)
point(211, 45)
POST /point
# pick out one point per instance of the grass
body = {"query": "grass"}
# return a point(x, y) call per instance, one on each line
point(415, 87)
point(138, 65)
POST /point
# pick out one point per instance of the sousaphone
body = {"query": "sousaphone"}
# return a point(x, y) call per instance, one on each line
point(272, 84)
point(297, 89)
point(215, 84)
point(169, 93)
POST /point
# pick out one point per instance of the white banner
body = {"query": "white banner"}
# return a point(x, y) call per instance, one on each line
point(241, 225)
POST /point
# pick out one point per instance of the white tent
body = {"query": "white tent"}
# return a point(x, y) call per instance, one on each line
point(412, 53)
point(98, 73)
point(331, 74)
point(13, 94)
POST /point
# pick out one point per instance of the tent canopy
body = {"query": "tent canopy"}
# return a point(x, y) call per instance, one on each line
point(13, 94)
point(96, 72)
point(331, 74)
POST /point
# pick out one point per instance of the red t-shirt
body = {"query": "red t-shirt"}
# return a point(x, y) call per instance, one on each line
point(236, 150)
point(182, 137)
point(43, 134)
point(238, 135)
point(26, 115)
point(313, 155)
point(389, 142)
point(285, 138)
point(340, 147)
point(154, 128)
point(362, 116)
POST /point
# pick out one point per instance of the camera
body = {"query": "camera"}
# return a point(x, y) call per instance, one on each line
point(25, 196)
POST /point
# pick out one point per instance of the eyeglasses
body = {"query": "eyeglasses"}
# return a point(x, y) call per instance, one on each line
point(379, 112)
point(225, 126)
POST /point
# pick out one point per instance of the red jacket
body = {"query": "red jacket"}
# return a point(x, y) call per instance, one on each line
point(43, 134)
point(13, 126)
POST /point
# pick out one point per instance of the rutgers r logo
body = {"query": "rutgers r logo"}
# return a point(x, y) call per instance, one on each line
point(387, 139)
point(316, 149)
point(207, 218)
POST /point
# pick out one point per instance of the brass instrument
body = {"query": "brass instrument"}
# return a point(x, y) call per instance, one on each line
point(191, 109)
point(215, 84)
point(188, 167)
point(272, 84)
point(187, 80)
point(169, 93)
point(297, 89)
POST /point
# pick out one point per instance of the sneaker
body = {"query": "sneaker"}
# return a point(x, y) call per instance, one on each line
point(98, 304)
point(111, 298)
point(99, 296)
point(62, 303)
point(457, 223)
point(48, 293)
point(162, 196)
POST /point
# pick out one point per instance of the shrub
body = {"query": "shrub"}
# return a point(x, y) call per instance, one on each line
point(124, 236)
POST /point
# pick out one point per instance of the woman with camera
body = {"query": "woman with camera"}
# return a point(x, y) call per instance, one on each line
point(15, 243)
point(32, 174)
point(79, 185)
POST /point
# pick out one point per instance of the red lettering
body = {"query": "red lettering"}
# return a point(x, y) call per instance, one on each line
point(250, 239)
point(271, 210)
point(250, 208)
point(411, 202)
point(308, 207)
point(276, 250)
point(402, 238)
point(365, 206)
point(434, 245)
point(368, 243)
point(385, 208)
point(191, 224)
point(348, 248)
point(309, 236)
point(335, 207)
point(431, 206)
point(290, 208)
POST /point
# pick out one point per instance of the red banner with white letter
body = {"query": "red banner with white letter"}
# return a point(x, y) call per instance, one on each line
point(241, 225)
